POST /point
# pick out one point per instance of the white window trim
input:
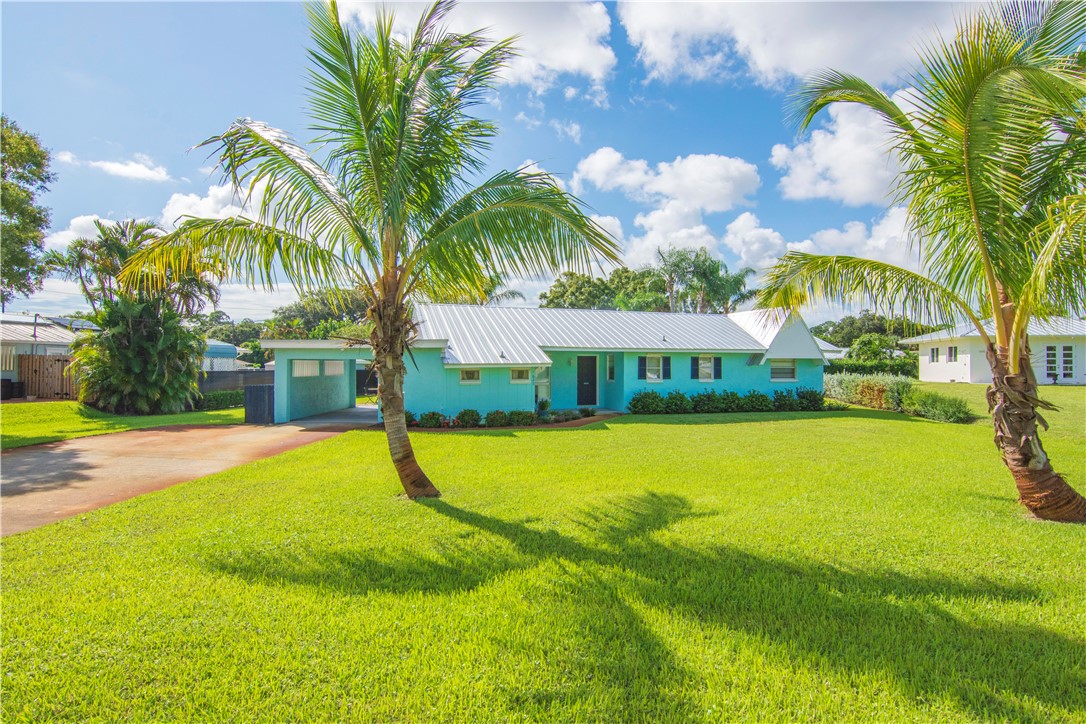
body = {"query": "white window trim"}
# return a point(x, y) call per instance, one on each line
point(526, 381)
point(307, 368)
point(1067, 361)
point(712, 367)
point(949, 356)
point(793, 378)
point(477, 371)
point(331, 363)
point(933, 355)
point(659, 369)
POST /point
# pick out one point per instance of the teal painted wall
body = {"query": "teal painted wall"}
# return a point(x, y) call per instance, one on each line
point(564, 379)
point(736, 376)
point(298, 397)
point(433, 387)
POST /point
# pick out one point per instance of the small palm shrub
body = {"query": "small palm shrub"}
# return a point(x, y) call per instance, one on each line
point(522, 418)
point(646, 402)
point(676, 403)
point(144, 361)
point(934, 406)
point(497, 418)
point(469, 418)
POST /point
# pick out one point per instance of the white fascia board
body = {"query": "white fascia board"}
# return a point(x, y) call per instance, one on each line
point(337, 344)
point(654, 350)
point(463, 365)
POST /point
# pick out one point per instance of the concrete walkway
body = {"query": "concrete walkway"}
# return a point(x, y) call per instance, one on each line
point(45, 483)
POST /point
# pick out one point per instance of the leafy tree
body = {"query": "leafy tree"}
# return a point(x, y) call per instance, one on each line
point(25, 174)
point(96, 264)
point(872, 346)
point(144, 361)
point(994, 146)
point(254, 353)
point(638, 291)
point(572, 290)
point(846, 330)
point(339, 305)
point(390, 208)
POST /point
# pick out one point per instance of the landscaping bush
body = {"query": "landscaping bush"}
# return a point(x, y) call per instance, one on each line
point(565, 416)
point(586, 412)
point(647, 402)
point(497, 418)
point(810, 400)
point(542, 406)
point(409, 417)
point(522, 418)
point(222, 400)
point(785, 401)
point(729, 401)
point(469, 418)
point(755, 401)
point(882, 392)
point(934, 406)
point(676, 403)
point(907, 366)
point(705, 402)
point(432, 419)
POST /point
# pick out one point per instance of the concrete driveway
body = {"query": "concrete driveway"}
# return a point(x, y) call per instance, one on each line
point(45, 483)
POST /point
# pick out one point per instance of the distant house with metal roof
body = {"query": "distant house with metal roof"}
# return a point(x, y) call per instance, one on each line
point(221, 357)
point(509, 358)
point(1058, 348)
point(831, 351)
point(30, 334)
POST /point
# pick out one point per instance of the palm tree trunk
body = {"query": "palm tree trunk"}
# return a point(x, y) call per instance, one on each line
point(391, 325)
point(1013, 402)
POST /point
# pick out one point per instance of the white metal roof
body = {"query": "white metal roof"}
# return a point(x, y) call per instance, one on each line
point(1054, 327)
point(21, 329)
point(479, 335)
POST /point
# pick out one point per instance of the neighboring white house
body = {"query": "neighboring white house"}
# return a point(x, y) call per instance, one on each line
point(1058, 349)
point(831, 351)
point(30, 334)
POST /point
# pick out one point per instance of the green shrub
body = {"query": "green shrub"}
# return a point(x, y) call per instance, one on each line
point(586, 412)
point(469, 418)
point(522, 418)
point(755, 401)
point(222, 400)
point(810, 400)
point(646, 402)
point(432, 419)
point(409, 417)
point(542, 406)
point(882, 392)
point(565, 416)
point(784, 401)
point(934, 406)
point(907, 366)
point(729, 401)
point(676, 403)
point(144, 361)
point(497, 418)
point(705, 402)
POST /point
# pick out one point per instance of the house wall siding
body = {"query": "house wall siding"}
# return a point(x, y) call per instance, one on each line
point(972, 364)
point(297, 397)
point(436, 388)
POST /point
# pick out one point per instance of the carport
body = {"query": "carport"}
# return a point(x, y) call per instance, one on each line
point(313, 376)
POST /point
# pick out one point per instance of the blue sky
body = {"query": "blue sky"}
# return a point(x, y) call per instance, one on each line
point(668, 119)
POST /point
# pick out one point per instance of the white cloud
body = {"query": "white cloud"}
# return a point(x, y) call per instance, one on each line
point(773, 42)
point(850, 160)
point(141, 168)
point(219, 203)
point(567, 129)
point(66, 157)
point(556, 39)
point(80, 226)
point(611, 225)
point(530, 122)
point(240, 301)
point(758, 246)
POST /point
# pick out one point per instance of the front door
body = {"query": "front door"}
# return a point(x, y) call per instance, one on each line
point(587, 380)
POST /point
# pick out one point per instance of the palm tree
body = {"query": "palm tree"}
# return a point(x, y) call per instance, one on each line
point(96, 263)
point(712, 288)
point(994, 147)
point(390, 207)
point(675, 267)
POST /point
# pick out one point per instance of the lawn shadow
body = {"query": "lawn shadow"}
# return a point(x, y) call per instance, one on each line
point(731, 418)
point(31, 471)
point(811, 614)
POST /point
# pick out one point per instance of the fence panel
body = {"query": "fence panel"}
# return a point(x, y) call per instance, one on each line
point(235, 380)
point(46, 376)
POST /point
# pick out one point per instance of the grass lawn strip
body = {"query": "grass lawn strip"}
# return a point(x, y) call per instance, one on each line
point(844, 566)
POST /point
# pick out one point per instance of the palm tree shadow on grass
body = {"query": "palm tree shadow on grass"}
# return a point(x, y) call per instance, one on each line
point(816, 615)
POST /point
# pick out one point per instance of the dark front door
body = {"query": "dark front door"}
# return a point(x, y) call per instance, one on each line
point(587, 379)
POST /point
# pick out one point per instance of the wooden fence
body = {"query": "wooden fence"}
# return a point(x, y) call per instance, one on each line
point(46, 377)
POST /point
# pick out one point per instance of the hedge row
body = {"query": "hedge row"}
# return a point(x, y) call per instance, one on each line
point(906, 366)
point(895, 392)
point(651, 402)
point(495, 418)
point(221, 400)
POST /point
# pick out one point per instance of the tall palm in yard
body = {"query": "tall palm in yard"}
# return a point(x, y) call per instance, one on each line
point(993, 139)
point(391, 206)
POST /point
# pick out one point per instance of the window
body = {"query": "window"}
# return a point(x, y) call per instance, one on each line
point(951, 354)
point(470, 377)
point(705, 367)
point(542, 383)
point(782, 370)
point(1050, 361)
point(653, 368)
point(610, 368)
point(334, 368)
point(305, 368)
point(933, 354)
point(1068, 361)
point(520, 376)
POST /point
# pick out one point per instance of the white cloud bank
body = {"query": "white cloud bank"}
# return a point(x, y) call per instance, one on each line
point(777, 41)
point(141, 168)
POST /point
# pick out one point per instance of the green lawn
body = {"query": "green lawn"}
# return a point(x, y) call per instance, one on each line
point(37, 422)
point(857, 565)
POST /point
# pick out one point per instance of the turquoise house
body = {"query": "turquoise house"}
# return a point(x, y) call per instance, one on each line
point(510, 358)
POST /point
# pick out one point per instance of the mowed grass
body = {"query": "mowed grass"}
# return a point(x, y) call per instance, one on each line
point(32, 423)
point(857, 565)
